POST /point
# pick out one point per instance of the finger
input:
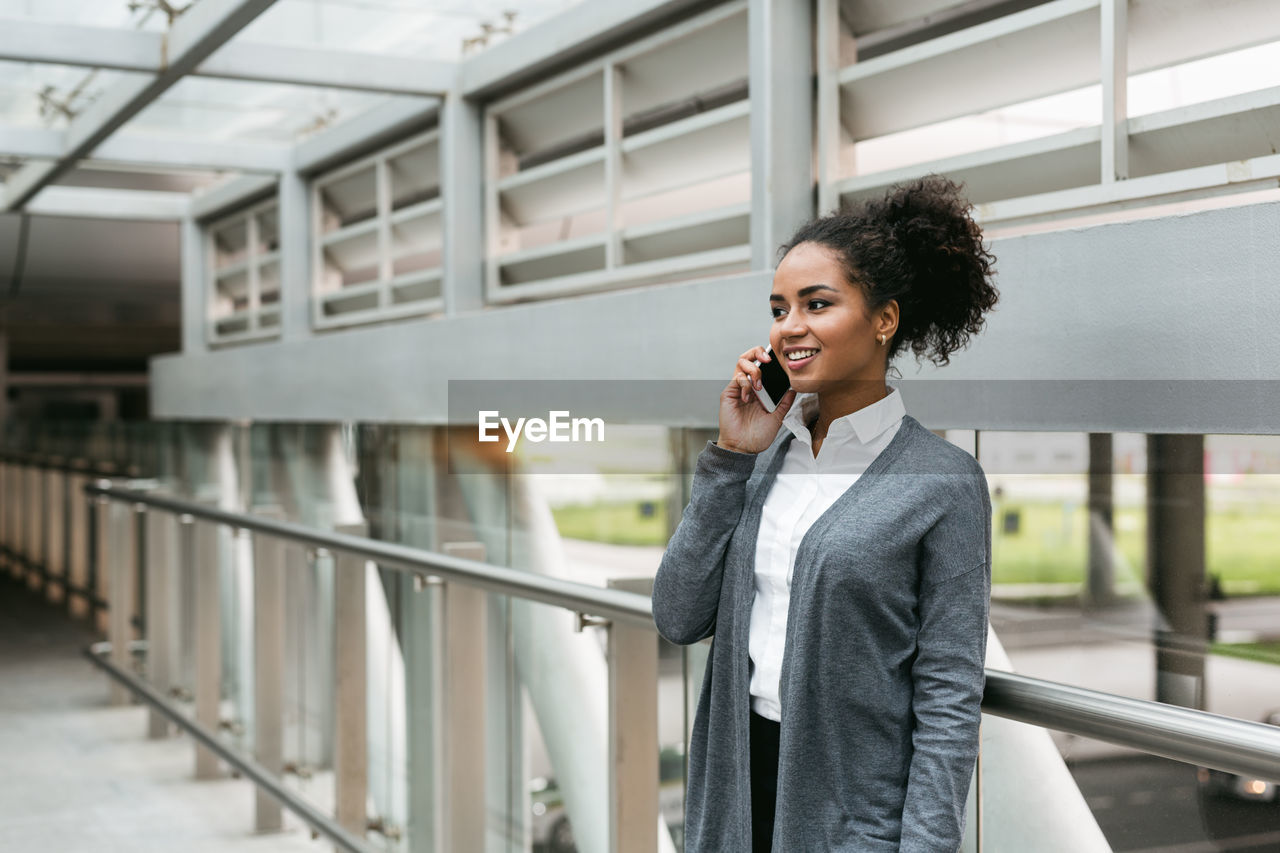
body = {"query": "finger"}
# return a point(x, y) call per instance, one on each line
point(784, 405)
point(752, 371)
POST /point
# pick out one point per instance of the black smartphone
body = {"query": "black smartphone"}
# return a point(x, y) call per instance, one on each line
point(773, 376)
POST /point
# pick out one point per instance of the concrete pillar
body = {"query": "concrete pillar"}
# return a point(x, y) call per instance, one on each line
point(462, 193)
point(1100, 580)
point(1176, 564)
point(194, 299)
point(780, 44)
point(295, 257)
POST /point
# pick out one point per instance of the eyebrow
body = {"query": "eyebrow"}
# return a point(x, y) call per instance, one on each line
point(804, 291)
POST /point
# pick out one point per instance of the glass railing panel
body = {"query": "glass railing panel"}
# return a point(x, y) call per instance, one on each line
point(1156, 576)
point(1094, 796)
point(545, 683)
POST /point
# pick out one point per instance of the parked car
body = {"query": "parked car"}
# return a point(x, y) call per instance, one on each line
point(1222, 783)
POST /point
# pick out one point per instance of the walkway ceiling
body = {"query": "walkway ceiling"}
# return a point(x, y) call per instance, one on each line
point(112, 112)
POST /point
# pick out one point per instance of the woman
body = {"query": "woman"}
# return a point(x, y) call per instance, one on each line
point(840, 706)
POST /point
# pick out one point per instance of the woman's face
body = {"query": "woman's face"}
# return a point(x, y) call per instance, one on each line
point(817, 313)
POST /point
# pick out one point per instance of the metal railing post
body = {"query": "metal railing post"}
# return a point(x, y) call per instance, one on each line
point(208, 640)
point(20, 523)
point(11, 519)
point(35, 538)
point(6, 509)
point(78, 604)
point(100, 573)
point(121, 559)
point(633, 739)
point(55, 561)
point(13, 522)
point(350, 735)
point(462, 779)
point(161, 553)
point(268, 665)
point(27, 512)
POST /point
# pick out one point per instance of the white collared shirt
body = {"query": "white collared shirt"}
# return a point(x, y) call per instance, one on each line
point(795, 501)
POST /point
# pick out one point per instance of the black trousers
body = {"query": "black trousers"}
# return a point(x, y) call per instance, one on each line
point(764, 781)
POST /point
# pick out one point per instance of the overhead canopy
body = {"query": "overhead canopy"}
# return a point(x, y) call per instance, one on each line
point(231, 72)
point(110, 116)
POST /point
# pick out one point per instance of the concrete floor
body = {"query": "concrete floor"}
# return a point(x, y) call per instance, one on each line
point(78, 775)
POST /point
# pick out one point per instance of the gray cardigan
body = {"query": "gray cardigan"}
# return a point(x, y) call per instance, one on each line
point(882, 674)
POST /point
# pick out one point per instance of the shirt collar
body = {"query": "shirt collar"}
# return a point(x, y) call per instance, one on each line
point(864, 424)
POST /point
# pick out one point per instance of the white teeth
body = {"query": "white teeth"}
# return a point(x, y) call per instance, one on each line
point(799, 354)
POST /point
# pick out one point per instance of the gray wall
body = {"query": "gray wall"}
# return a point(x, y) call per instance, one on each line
point(1177, 306)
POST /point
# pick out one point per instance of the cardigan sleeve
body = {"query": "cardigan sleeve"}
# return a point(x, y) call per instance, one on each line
point(686, 589)
point(948, 671)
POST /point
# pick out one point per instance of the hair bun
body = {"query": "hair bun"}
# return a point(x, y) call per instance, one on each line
point(918, 245)
point(929, 232)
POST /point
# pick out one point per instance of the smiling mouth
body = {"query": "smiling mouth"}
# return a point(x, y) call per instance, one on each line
point(799, 358)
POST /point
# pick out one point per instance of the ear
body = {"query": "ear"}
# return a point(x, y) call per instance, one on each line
point(887, 322)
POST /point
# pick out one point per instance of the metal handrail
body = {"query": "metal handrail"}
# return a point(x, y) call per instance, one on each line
point(261, 776)
point(1182, 734)
point(607, 603)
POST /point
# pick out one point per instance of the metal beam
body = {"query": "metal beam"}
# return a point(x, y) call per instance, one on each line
point(95, 203)
point(395, 117)
point(129, 50)
point(191, 153)
point(1115, 84)
point(222, 197)
point(339, 69)
point(567, 39)
point(23, 40)
point(204, 28)
point(141, 149)
point(462, 155)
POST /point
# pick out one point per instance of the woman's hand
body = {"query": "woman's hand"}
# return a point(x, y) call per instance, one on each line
point(745, 426)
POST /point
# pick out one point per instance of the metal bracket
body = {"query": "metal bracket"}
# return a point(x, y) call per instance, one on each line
point(422, 581)
point(584, 620)
point(302, 771)
point(235, 727)
point(387, 830)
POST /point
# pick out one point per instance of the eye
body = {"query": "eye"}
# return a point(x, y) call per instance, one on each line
point(775, 312)
point(817, 302)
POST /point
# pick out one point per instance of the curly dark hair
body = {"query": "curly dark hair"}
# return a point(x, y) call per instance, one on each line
point(918, 245)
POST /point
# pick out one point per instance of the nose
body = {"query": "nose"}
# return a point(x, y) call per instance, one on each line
point(792, 326)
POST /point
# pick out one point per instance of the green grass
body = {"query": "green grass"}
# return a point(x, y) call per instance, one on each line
point(1049, 547)
point(1051, 544)
point(614, 523)
point(1243, 546)
point(1268, 652)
